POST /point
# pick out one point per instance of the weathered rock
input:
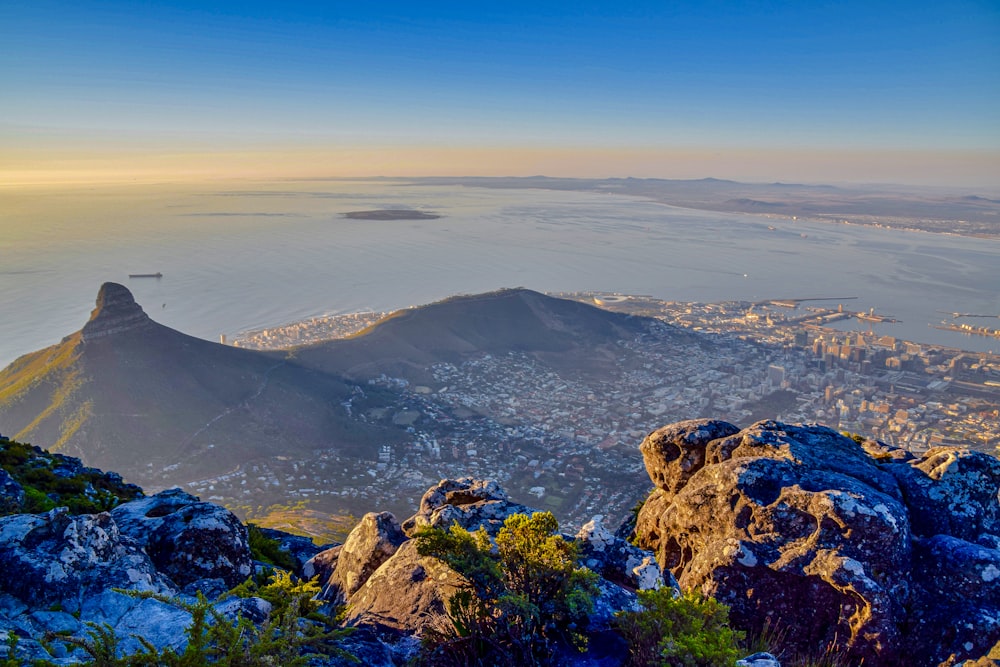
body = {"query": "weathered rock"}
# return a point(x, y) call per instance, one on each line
point(618, 561)
point(957, 598)
point(471, 503)
point(187, 539)
point(951, 491)
point(55, 558)
point(323, 564)
point(11, 494)
point(159, 623)
point(371, 543)
point(784, 522)
point(759, 660)
point(675, 452)
point(407, 592)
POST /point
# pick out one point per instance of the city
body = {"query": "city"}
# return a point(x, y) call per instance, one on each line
point(567, 440)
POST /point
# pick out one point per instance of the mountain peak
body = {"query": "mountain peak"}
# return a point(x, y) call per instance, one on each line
point(116, 311)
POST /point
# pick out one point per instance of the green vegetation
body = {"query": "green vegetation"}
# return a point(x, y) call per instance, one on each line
point(47, 485)
point(684, 631)
point(267, 550)
point(522, 600)
point(294, 633)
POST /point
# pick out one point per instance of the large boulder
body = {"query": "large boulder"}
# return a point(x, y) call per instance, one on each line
point(809, 531)
point(407, 592)
point(187, 539)
point(783, 523)
point(371, 543)
point(59, 559)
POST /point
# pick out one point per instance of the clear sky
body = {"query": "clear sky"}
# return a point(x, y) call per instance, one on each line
point(804, 90)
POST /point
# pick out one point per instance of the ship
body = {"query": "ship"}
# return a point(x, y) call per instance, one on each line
point(146, 275)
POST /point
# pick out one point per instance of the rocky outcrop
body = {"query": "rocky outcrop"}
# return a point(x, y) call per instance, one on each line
point(471, 503)
point(874, 547)
point(116, 312)
point(187, 539)
point(55, 559)
point(371, 543)
point(408, 593)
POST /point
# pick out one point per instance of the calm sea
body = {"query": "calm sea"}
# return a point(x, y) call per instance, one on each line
point(248, 255)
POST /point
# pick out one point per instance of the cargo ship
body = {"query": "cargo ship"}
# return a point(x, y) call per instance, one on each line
point(145, 275)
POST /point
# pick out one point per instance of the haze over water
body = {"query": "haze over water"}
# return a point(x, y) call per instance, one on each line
point(249, 255)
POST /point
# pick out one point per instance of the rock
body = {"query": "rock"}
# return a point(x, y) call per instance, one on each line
point(784, 522)
point(116, 312)
point(11, 494)
point(187, 539)
point(673, 453)
point(951, 491)
point(407, 592)
point(957, 598)
point(472, 503)
point(370, 543)
point(759, 660)
point(256, 610)
point(617, 560)
point(159, 623)
point(322, 565)
point(55, 558)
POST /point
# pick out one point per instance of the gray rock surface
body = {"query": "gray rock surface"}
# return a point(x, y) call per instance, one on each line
point(951, 491)
point(187, 539)
point(58, 559)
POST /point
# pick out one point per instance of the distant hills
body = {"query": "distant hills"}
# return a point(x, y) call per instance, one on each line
point(927, 209)
point(563, 333)
point(161, 407)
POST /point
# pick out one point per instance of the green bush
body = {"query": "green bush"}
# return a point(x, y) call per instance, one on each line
point(267, 550)
point(685, 631)
point(522, 600)
point(87, 492)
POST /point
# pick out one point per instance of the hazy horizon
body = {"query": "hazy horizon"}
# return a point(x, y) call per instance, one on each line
point(177, 91)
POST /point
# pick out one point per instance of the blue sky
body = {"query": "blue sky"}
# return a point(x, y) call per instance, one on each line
point(89, 83)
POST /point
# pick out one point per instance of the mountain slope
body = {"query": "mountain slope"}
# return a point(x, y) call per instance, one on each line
point(563, 333)
point(129, 393)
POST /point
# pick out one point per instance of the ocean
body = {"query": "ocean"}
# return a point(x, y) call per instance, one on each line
point(241, 255)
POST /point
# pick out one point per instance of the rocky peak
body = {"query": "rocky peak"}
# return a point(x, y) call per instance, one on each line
point(116, 311)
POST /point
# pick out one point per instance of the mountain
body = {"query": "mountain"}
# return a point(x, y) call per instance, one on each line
point(127, 393)
point(563, 333)
point(165, 408)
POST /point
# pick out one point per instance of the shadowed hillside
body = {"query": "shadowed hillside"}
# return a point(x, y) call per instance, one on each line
point(129, 393)
point(565, 334)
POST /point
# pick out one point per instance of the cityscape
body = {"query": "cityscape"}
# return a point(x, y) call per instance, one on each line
point(567, 440)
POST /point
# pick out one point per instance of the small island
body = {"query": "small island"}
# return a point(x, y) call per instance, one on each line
point(391, 214)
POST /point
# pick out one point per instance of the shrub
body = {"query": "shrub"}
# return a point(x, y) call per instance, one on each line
point(685, 631)
point(522, 600)
point(268, 550)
